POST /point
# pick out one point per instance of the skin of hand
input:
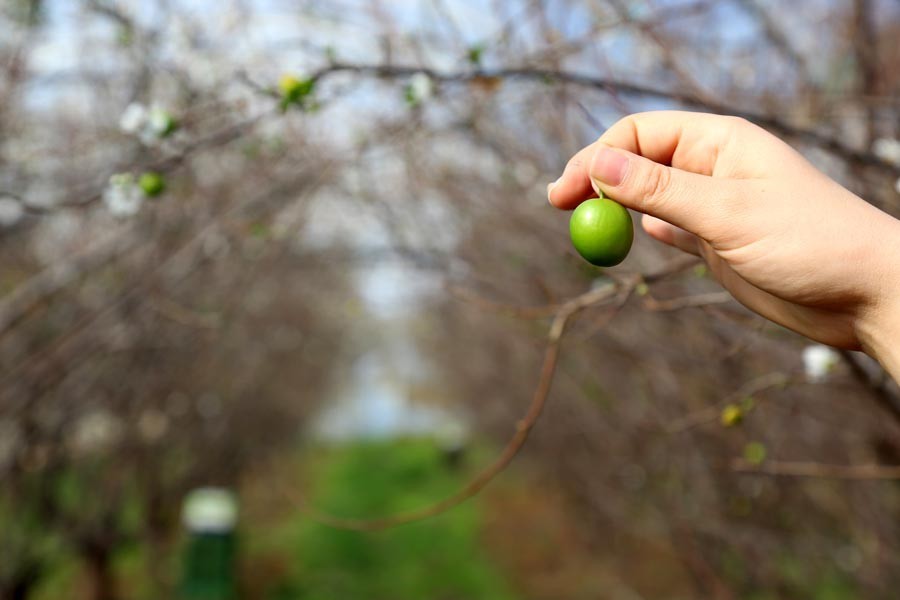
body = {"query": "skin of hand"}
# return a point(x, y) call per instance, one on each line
point(786, 240)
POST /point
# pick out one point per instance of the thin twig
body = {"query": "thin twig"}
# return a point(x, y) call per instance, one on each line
point(652, 304)
point(711, 413)
point(819, 470)
point(879, 388)
point(678, 264)
point(566, 311)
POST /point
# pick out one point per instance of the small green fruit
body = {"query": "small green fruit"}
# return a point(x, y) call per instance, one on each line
point(152, 184)
point(167, 125)
point(731, 415)
point(294, 90)
point(755, 453)
point(475, 53)
point(601, 231)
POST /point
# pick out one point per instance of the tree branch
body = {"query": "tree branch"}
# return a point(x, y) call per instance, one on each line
point(652, 304)
point(563, 314)
point(687, 99)
point(878, 388)
point(813, 469)
point(709, 414)
point(554, 338)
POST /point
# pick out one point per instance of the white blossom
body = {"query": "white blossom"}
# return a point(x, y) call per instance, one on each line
point(149, 124)
point(818, 361)
point(11, 211)
point(123, 196)
point(134, 118)
point(887, 149)
point(421, 88)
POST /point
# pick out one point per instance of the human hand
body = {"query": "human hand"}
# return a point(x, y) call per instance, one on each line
point(787, 241)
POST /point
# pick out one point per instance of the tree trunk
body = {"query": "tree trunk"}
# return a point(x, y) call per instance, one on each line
point(20, 585)
point(99, 571)
point(18, 590)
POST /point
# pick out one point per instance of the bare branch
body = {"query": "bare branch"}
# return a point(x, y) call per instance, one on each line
point(651, 303)
point(53, 279)
point(563, 314)
point(826, 142)
point(820, 470)
point(711, 413)
point(879, 388)
point(776, 36)
point(554, 338)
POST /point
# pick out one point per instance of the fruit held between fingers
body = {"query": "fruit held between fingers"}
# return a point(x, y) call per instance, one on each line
point(601, 231)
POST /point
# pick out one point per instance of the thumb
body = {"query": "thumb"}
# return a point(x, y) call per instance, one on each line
point(696, 203)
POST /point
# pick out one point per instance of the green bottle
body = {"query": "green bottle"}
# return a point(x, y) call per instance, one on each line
point(209, 555)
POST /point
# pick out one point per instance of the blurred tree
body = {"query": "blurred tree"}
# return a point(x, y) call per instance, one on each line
point(152, 343)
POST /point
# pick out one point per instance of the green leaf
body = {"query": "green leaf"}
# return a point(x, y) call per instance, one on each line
point(475, 53)
point(755, 453)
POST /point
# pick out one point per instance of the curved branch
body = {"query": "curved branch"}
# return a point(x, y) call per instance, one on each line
point(566, 311)
point(620, 291)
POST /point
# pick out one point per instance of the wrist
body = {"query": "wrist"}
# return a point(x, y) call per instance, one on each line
point(881, 341)
point(879, 330)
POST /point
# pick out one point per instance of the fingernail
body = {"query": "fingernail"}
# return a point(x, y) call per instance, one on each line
point(609, 166)
point(550, 187)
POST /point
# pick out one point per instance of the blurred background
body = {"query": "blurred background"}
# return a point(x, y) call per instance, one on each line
point(268, 257)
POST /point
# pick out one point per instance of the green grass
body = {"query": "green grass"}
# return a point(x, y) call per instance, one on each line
point(437, 558)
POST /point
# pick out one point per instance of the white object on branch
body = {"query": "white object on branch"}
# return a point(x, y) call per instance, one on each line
point(887, 149)
point(421, 88)
point(123, 196)
point(149, 124)
point(818, 361)
point(133, 118)
point(210, 510)
point(159, 122)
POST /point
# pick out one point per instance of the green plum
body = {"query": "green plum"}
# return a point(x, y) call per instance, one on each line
point(601, 231)
point(294, 90)
point(152, 184)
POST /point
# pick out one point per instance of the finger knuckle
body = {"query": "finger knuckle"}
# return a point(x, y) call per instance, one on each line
point(656, 186)
point(624, 127)
point(737, 123)
point(739, 127)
